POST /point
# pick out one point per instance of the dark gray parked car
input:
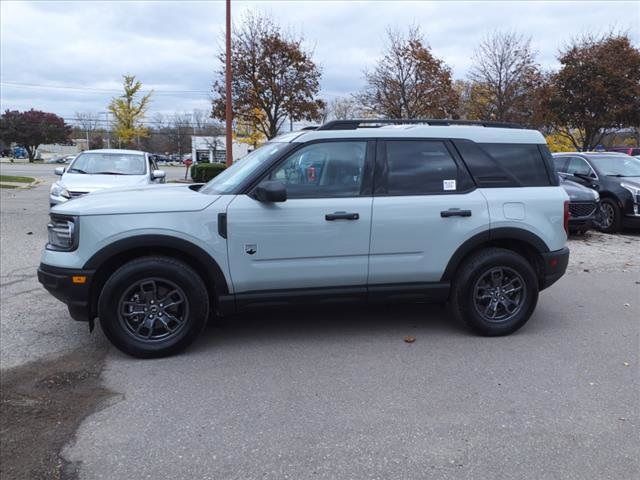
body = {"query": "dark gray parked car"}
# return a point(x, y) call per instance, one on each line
point(584, 206)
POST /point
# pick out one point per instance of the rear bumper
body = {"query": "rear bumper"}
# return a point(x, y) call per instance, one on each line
point(59, 282)
point(555, 265)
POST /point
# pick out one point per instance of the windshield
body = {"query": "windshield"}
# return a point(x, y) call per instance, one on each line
point(233, 176)
point(108, 164)
point(616, 165)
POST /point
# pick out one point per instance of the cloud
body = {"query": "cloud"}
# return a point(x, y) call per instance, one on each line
point(173, 46)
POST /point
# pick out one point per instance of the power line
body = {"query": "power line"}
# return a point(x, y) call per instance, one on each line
point(102, 90)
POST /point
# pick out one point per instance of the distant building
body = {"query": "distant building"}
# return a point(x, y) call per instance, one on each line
point(213, 149)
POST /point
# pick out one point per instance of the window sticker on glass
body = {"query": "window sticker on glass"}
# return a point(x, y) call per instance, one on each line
point(449, 184)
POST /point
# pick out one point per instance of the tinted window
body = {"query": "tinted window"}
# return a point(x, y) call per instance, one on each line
point(327, 169)
point(522, 160)
point(418, 167)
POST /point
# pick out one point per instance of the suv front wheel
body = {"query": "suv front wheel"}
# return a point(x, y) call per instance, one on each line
point(153, 307)
point(495, 292)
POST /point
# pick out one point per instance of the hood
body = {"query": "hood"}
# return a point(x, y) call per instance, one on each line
point(146, 199)
point(577, 192)
point(80, 182)
point(635, 181)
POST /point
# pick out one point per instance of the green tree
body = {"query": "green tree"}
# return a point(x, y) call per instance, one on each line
point(128, 112)
point(32, 128)
point(597, 89)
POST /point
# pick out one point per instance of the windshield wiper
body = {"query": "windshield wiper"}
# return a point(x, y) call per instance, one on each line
point(617, 175)
point(109, 173)
point(71, 170)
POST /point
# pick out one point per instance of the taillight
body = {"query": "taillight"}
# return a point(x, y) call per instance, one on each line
point(567, 214)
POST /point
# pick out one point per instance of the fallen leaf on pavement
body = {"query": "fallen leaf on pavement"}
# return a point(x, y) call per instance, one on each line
point(409, 339)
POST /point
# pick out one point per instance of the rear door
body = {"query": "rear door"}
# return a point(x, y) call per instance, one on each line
point(318, 237)
point(425, 206)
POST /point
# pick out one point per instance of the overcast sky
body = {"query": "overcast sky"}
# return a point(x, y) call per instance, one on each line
point(83, 48)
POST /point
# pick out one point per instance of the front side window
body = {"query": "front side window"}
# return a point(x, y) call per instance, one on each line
point(327, 169)
point(417, 167)
point(96, 163)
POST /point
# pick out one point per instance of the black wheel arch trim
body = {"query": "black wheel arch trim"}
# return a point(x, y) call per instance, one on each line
point(209, 264)
point(503, 233)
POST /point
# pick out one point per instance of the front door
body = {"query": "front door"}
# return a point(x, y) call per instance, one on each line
point(318, 237)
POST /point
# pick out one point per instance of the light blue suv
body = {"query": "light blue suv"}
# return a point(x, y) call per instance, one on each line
point(420, 210)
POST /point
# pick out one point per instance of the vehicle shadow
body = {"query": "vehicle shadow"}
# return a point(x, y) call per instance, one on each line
point(328, 323)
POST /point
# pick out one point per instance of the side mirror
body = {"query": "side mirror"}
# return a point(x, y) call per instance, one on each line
point(157, 174)
point(271, 191)
point(59, 171)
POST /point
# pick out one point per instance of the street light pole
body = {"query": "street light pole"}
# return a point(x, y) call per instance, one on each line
point(228, 110)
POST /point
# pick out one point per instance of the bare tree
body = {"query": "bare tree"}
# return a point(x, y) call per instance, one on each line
point(88, 123)
point(408, 81)
point(343, 108)
point(503, 79)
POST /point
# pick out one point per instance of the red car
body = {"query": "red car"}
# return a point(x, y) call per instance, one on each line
point(633, 151)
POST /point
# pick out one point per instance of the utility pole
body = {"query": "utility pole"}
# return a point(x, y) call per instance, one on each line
point(228, 110)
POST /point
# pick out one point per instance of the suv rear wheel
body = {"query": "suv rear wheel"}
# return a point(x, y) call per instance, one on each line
point(153, 307)
point(495, 292)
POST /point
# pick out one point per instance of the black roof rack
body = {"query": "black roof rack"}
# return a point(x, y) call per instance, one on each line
point(378, 122)
point(310, 127)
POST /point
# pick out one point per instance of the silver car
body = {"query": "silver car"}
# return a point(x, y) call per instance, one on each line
point(98, 169)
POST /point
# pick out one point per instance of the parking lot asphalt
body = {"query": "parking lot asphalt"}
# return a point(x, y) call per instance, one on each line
point(338, 393)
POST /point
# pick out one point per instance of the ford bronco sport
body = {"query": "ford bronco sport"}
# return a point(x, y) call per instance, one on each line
point(423, 210)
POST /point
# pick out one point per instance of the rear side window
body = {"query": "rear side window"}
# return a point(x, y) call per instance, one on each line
point(417, 167)
point(522, 160)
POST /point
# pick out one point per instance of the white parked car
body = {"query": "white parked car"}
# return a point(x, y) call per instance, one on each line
point(98, 169)
point(437, 211)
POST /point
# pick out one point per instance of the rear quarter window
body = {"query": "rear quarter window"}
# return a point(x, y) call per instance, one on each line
point(523, 161)
point(508, 164)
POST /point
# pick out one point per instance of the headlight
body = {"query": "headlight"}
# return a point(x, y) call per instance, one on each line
point(634, 189)
point(596, 195)
point(63, 233)
point(57, 190)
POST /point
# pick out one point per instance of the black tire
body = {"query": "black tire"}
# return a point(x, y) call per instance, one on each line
point(611, 216)
point(470, 285)
point(131, 307)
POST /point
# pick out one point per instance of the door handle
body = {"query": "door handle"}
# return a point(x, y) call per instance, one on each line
point(455, 212)
point(341, 216)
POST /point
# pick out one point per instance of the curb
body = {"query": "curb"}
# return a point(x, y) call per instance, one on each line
point(21, 185)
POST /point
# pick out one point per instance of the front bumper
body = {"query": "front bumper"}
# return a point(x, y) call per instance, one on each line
point(631, 221)
point(63, 283)
point(554, 266)
point(583, 215)
point(53, 201)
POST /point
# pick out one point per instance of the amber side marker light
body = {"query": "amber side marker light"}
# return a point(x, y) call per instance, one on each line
point(79, 279)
